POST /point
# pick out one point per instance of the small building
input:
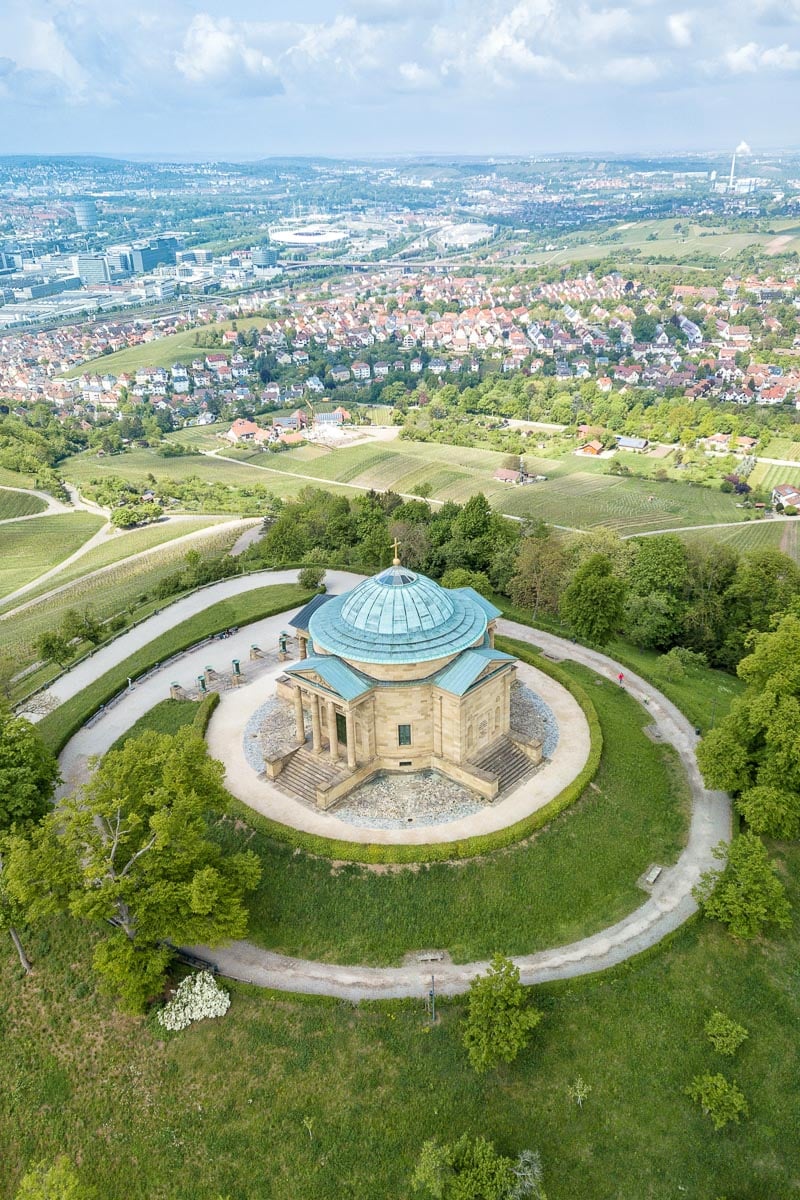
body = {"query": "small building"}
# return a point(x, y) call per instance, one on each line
point(506, 475)
point(786, 495)
point(631, 443)
point(592, 448)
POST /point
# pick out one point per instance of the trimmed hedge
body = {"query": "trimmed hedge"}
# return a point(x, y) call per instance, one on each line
point(375, 852)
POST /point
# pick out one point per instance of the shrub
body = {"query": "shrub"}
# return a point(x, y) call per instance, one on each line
point(725, 1034)
point(718, 1098)
point(498, 1021)
point(747, 895)
point(198, 998)
point(311, 578)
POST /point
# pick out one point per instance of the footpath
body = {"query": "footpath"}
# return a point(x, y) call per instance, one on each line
point(669, 905)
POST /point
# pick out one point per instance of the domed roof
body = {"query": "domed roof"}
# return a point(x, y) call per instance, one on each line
point(400, 616)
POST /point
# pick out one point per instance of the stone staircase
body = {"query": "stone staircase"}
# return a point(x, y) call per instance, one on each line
point(506, 762)
point(305, 772)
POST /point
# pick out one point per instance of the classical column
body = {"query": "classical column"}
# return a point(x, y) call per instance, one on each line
point(351, 740)
point(298, 715)
point(316, 728)
point(333, 738)
point(301, 641)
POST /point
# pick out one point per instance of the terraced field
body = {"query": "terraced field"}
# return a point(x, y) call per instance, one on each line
point(19, 504)
point(753, 535)
point(122, 586)
point(576, 493)
point(29, 548)
point(783, 448)
point(120, 546)
point(768, 476)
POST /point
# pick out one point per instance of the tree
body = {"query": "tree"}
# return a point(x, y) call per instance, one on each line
point(718, 1098)
point(753, 750)
point(499, 1021)
point(28, 775)
point(747, 895)
point(468, 1169)
point(311, 578)
point(54, 647)
point(134, 850)
point(725, 1034)
point(593, 601)
point(540, 567)
point(54, 1182)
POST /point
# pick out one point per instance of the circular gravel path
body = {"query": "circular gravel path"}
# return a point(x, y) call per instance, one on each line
point(667, 908)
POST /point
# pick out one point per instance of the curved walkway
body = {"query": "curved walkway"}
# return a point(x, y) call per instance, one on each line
point(667, 908)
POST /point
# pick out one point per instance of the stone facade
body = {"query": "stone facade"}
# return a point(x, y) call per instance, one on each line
point(424, 688)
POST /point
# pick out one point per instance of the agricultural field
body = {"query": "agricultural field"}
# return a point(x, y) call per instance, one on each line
point(120, 545)
point(768, 476)
point(753, 535)
point(19, 504)
point(661, 238)
point(577, 493)
point(122, 587)
point(783, 448)
point(163, 352)
point(29, 548)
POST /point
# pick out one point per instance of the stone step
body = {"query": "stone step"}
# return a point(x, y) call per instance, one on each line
point(305, 772)
point(506, 762)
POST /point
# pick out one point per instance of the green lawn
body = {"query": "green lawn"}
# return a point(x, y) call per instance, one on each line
point(29, 548)
point(167, 717)
point(767, 476)
point(303, 1099)
point(540, 893)
point(19, 504)
point(57, 727)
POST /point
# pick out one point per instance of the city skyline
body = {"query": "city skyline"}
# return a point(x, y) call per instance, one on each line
point(379, 77)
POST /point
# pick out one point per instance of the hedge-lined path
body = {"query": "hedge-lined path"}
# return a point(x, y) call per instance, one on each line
point(668, 907)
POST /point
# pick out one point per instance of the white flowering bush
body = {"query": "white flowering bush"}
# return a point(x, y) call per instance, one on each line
point(198, 996)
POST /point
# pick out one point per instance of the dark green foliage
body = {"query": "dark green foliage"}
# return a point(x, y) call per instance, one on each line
point(499, 1017)
point(747, 895)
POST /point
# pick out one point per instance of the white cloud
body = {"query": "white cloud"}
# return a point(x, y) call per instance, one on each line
point(219, 52)
point(751, 57)
point(415, 78)
point(679, 26)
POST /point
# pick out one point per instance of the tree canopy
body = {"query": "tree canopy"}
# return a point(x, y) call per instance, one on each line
point(499, 1019)
point(135, 848)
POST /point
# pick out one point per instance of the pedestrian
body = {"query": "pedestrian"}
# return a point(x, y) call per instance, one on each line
point(621, 678)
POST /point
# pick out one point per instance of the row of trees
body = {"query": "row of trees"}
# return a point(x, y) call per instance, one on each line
point(657, 591)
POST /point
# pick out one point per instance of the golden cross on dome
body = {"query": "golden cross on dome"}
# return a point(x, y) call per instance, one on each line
point(396, 560)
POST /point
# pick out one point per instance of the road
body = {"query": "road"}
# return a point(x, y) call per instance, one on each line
point(668, 907)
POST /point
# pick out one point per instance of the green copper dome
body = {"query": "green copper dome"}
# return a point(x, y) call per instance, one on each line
point(400, 616)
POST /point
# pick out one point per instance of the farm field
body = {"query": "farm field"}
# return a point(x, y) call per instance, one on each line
point(120, 546)
point(127, 585)
point(163, 352)
point(783, 448)
point(753, 535)
point(768, 476)
point(28, 548)
point(577, 493)
point(660, 238)
point(18, 504)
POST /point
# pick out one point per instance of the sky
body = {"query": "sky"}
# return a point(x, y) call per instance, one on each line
point(168, 78)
